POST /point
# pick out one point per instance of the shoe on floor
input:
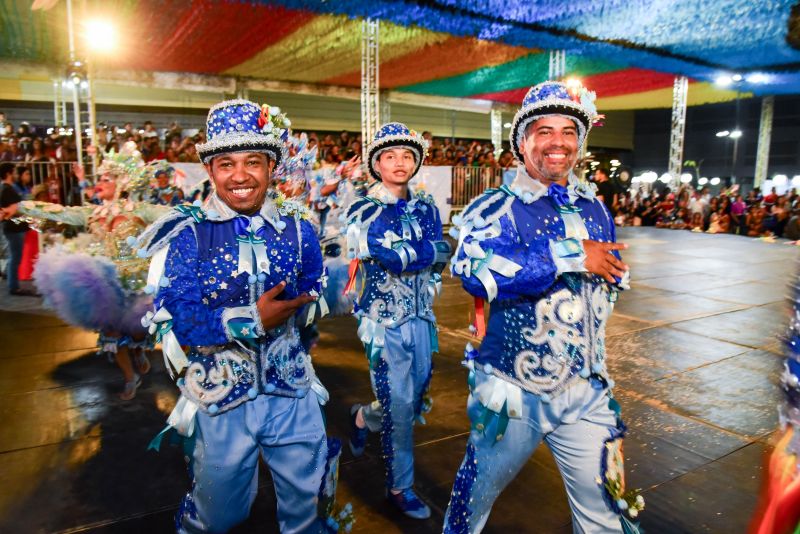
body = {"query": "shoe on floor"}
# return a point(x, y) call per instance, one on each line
point(129, 392)
point(409, 503)
point(358, 436)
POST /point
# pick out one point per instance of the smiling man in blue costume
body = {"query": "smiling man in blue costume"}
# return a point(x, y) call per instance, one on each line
point(233, 277)
point(394, 237)
point(543, 252)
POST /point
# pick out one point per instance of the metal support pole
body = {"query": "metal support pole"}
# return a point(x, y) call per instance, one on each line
point(92, 117)
point(370, 83)
point(76, 109)
point(385, 107)
point(496, 118)
point(56, 102)
point(70, 32)
point(764, 138)
point(680, 89)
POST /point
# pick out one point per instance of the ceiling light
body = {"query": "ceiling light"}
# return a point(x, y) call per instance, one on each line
point(724, 80)
point(757, 77)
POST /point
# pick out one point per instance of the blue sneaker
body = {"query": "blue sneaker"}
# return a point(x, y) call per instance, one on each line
point(358, 436)
point(407, 502)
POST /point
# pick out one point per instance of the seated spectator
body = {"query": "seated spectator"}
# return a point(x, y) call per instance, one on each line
point(792, 230)
point(771, 198)
point(755, 222)
point(738, 214)
point(697, 224)
point(780, 214)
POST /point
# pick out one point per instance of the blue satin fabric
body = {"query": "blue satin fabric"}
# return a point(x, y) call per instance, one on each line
point(527, 231)
point(574, 426)
point(392, 292)
point(401, 379)
point(201, 267)
point(526, 241)
point(288, 433)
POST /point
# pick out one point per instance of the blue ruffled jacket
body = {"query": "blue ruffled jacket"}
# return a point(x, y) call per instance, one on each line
point(399, 243)
point(520, 248)
point(213, 266)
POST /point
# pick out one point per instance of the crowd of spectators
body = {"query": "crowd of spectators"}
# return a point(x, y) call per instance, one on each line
point(753, 214)
point(25, 144)
point(36, 155)
point(335, 149)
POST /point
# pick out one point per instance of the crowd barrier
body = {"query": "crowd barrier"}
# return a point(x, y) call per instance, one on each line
point(58, 180)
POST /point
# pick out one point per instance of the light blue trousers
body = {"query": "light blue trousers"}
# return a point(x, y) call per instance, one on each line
point(574, 425)
point(400, 379)
point(290, 435)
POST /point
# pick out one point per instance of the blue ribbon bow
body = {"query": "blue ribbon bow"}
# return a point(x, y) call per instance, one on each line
point(560, 197)
point(196, 212)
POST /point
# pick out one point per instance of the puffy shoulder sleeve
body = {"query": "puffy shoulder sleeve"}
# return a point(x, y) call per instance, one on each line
point(70, 215)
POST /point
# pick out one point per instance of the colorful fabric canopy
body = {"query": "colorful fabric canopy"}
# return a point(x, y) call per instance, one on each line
point(628, 52)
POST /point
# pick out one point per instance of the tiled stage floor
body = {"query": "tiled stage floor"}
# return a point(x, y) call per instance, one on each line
point(692, 347)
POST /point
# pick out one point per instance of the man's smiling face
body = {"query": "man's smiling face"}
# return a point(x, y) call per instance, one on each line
point(550, 149)
point(242, 179)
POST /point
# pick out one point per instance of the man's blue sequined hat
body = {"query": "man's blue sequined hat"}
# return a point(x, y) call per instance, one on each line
point(395, 135)
point(244, 126)
point(553, 98)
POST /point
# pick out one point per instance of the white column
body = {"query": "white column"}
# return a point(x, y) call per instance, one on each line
point(558, 64)
point(764, 138)
point(496, 117)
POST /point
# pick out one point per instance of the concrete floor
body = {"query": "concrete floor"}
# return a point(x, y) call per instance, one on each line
point(692, 347)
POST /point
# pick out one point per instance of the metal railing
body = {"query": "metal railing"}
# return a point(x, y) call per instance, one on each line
point(60, 184)
point(469, 182)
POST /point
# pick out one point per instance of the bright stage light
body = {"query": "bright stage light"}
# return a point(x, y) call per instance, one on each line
point(100, 35)
point(507, 125)
point(686, 178)
point(724, 80)
point(757, 77)
point(649, 177)
point(702, 181)
point(723, 133)
point(715, 181)
point(795, 181)
point(779, 179)
point(665, 178)
point(736, 77)
point(736, 134)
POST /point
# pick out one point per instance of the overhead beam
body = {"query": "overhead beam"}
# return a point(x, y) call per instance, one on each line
point(210, 83)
